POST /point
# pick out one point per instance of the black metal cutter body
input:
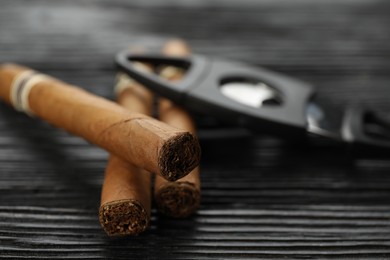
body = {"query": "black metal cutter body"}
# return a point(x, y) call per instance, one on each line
point(199, 92)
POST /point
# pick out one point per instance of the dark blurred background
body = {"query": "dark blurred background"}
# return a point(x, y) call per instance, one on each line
point(261, 197)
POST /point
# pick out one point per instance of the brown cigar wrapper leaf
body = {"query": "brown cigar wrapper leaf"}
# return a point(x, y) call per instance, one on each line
point(181, 198)
point(141, 140)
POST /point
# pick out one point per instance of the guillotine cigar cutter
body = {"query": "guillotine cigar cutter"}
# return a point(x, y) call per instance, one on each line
point(260, 100)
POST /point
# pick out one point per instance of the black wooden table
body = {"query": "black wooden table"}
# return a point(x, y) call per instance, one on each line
point(262, 197)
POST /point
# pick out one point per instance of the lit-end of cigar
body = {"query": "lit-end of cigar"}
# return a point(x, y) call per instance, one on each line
point(179, 156)
point(123, 217)
point(178, 199)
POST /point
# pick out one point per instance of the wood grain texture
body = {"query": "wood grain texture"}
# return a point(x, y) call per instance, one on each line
point(261, 197)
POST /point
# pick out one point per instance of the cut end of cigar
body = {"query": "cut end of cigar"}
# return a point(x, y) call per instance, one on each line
point(178, 199)
point(179, 156)
point(123, 217)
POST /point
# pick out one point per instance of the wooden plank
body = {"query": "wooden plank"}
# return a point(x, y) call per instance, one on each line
point(262, 198)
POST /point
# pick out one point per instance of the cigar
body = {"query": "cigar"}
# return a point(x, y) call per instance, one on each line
point(181, 198)
point(126, 196)
point(125, 200)
point(145, 142)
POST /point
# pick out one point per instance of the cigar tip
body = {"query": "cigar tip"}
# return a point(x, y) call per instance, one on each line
point(176, 47)
point(178, 199)
point(179, 156)
point(123, 217)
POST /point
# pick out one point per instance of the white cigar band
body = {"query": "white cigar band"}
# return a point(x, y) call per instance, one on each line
point(21, 87)
point(123, 81)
